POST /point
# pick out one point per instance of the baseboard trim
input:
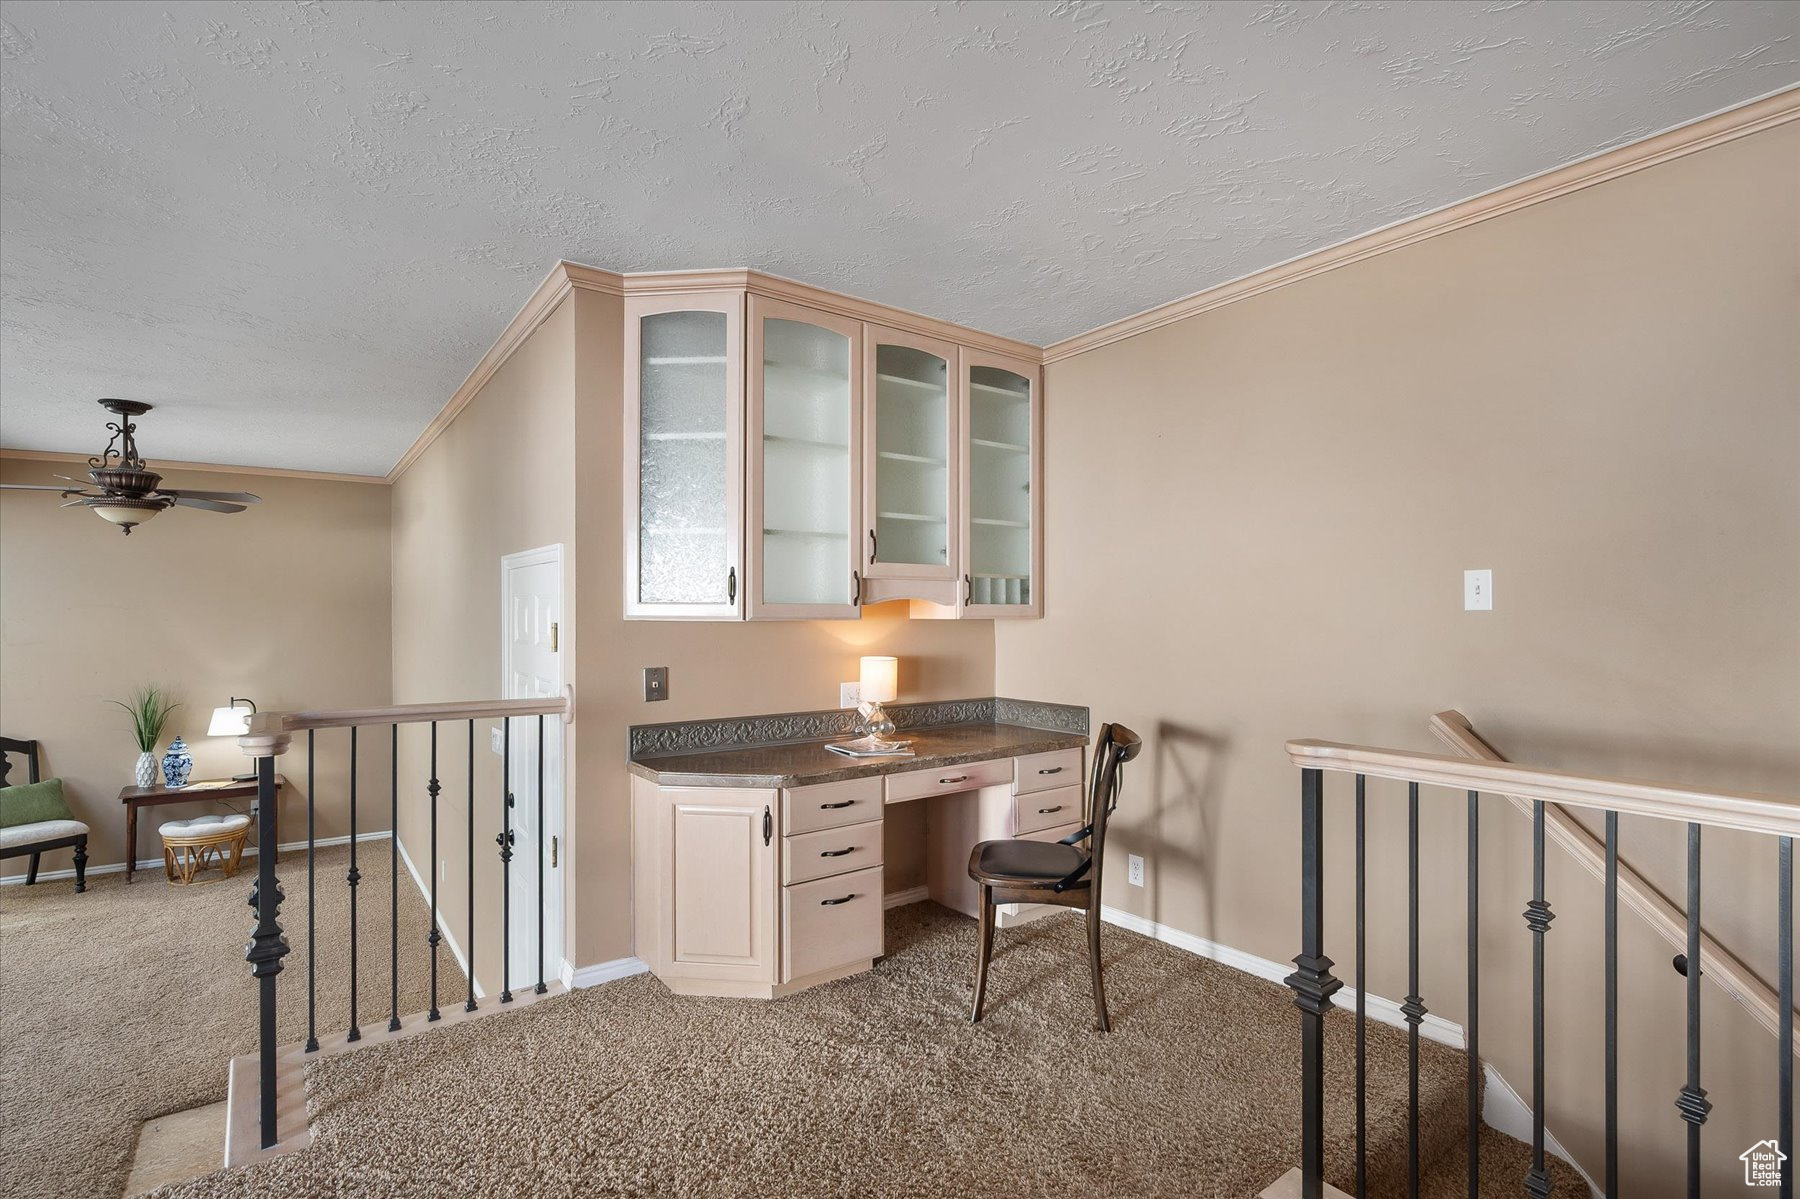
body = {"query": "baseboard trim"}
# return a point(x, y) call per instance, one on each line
point(456, 952)
point(50, 876)
point(574, 977)
point(899, 899)
point(1502, 1107)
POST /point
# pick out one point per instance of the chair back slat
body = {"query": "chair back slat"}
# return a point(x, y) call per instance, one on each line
point(25, 749)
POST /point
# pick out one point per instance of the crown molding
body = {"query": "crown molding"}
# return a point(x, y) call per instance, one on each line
point(163, 464)
point(1733, 123)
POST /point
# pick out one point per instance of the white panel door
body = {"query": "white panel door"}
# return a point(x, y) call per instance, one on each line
point(531, 659)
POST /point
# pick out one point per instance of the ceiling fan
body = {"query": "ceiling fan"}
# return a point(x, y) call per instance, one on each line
point(129, 493)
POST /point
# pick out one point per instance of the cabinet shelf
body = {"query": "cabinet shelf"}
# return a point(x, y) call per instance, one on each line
point(1004, 524)
point(711, 436)
point(812, 533)
point(1007, 392)
point(806, 442)
point(985, 444)
point(924, 389)
point(681, 531)
point(687, 360)
point(896, 456)
point(936, 520)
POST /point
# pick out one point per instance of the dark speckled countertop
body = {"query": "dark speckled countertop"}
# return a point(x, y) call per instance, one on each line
point(797, 764)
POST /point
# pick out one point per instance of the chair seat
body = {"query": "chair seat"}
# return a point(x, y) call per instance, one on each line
point(43, 830)
point(203, 826)
point(1023, 863)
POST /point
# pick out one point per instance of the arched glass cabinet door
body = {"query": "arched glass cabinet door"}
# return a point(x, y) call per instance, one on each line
point(684, 455)
point(1002, 486)
point(911, 464)
point(804, 476)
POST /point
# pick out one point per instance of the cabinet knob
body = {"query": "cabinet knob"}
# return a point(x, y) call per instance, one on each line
point(1051, 770)
point(960, 778)
point(855, 589)
point(968, 590)
point(731, 586)
point(872, 545)
point(768, 825)
point(832, 903)
point(836, 853)
point(1047, 811)
point(828, 807)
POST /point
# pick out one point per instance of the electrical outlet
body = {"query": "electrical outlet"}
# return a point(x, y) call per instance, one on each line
point(497, 741)
point(656, 683)
point(849, 694)
point(1134, 869)
point(1478, 591)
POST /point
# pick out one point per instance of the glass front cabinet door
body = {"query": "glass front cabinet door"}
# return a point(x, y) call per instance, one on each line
point(684, 456)
point(911, 464)
point(804, 481)
point(1002, 485)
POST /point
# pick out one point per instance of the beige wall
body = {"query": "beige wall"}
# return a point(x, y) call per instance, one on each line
point(500, 479)
point(286, 603)
point(715, 669)
point(1258, 520)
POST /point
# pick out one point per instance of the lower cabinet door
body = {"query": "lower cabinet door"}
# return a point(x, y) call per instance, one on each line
point(831, 922)
point(722, 856)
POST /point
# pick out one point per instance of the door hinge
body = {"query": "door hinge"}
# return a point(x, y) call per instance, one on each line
point(553, 636)
point(553, 853)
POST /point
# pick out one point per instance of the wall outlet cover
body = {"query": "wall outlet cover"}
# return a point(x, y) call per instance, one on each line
point(1135, 869)
point(849, 694)
point(497, 741)
point(656, 683)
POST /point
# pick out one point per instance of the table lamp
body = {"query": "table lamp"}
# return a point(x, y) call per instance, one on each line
point(880, 684)
point(233, 721)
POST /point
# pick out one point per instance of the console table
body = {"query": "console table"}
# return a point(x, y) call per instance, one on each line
point(149, 797)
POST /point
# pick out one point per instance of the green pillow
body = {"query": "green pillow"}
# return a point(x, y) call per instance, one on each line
point(32, 803)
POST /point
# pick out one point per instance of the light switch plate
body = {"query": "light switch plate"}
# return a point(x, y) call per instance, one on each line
point(849, 694)
point(497, 741)
point(656, 683)
point(1478, 591)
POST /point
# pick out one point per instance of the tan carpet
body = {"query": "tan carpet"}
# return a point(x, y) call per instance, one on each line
point(125, 1003)
point(875, 1085)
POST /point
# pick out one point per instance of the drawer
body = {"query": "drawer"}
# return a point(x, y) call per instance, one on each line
point(946, 780)
point(1043, 772)
point(830, 805)
point(830, 922)
point(830, 851)
point(1046, 809)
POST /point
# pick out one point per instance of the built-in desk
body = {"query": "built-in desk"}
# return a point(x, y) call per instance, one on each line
point(758, 869)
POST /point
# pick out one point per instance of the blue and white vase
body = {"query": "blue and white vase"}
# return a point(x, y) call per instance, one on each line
point(177, 764)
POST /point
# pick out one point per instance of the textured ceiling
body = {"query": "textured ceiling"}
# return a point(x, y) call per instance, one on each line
point(296, 226)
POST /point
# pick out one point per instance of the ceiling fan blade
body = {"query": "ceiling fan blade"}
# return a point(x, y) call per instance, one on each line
point(36, 487)
point(229, 497)
point(73, 479)
point(194, 501)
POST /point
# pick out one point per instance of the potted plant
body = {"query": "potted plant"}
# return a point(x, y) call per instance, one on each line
point(149, 708)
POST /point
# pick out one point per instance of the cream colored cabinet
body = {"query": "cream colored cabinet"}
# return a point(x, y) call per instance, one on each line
point(804, 479)
point(912, 461)
point(1001, 486)
point(706, 863)
point(684, 457)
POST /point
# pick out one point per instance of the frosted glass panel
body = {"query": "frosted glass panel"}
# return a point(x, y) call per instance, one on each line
point(683, 510)
point(912, 450)
point(807, 540)
point(999, 486)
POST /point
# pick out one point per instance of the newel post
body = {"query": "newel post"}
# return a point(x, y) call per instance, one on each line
point(1313, 984)
point(264, 742)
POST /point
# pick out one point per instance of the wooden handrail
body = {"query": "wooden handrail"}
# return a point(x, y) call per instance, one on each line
point(269, 731)
point(1746, 811)
point(1668, 921)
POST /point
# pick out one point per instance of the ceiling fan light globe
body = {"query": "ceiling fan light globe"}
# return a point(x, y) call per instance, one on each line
point(127, 514)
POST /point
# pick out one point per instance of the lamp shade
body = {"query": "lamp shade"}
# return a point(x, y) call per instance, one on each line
point(880, 680)
point(229, 722)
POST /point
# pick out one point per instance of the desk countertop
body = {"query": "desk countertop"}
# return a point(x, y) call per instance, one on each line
point(798, 764)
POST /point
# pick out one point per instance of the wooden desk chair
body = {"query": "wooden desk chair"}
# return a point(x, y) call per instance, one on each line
point(1061, 872)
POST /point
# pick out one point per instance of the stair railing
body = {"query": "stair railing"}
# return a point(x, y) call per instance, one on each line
point(269, 736)
point(1542, 790)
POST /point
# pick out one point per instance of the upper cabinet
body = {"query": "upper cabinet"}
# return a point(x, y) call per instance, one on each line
point(911, 457)
point(787, 461)
point(684, 459)
point(805, 469)
point(1002, 486)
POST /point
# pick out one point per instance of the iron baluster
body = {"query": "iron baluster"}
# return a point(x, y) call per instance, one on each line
point(1784, 966)
point(312, 890)
point(1692, 1103)
point(542, 857)
point(505, 839)
point(1414, 1007)
point(353, 877)
point(469, 928)
point(394, 878)
point(267, 945)
point(431, 791)
point(1537, 917)
point(1362, 988)
point(1612, 1003)
point(1472, 1030)
point(1312, 984)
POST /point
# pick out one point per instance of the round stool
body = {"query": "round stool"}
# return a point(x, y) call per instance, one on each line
point(188, 844)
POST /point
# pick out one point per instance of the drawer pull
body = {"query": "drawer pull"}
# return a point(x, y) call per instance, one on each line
point(1047, 811)
point(826, 807)
point(836, 853)
point(832, 903)
point(1051, 770)
point(960, 778)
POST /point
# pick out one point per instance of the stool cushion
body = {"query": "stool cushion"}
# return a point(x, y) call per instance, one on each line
point(43, 830)
point(204, 826)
